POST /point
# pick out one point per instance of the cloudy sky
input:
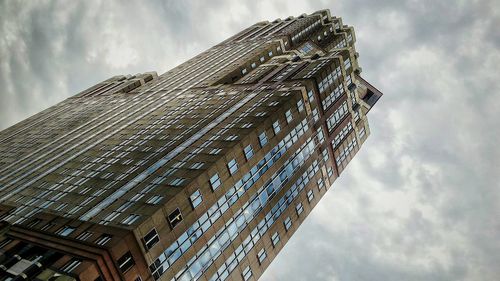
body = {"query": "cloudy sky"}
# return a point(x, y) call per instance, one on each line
point(421, 201)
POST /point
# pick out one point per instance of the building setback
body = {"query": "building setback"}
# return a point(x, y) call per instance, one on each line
point(204, 172)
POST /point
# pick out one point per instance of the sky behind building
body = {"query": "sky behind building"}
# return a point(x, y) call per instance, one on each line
point(424, 203)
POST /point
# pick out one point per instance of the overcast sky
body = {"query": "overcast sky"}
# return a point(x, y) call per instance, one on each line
point(421, 201)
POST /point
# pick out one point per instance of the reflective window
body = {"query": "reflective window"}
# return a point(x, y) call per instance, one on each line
point(247, 273)
point(310, 195)
point(300, 105)
point(288, 115)
point(299, 208)
point(261, 255)
point(154, 200)
point(275, 239)
point(196, 198)
point(310, 95)
point(276, 127)
point(287, 223)
point(248, 151)
point(130, 219)
point(215, 181)
point(262, 139)
point(232, 166)
point(65, 231)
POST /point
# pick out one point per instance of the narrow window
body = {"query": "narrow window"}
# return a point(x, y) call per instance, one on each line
point(310, 195)
point(175, 218)
point(215, 181)
point(261, 255)
point(103, 239)
point(65, 231)
point(71, 265)
point(196, 198)
point(126, 262)
point(150, 239)
point(248, 151)
point(232, 166)
point(310, 95)
point(276, 127)
point(287, 223)
point(299, 208)
point(288, 115)
point(131, 219)
point(275, 239)
point(247, 273)
point(262, 139)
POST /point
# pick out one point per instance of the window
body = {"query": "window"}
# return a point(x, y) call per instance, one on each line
point(5, 242)
point(150, 239)
point(196, 198)
point(315, 114)
point(232, 138)
point(197, 165)
point(254, 64)
point(71, 265)
point(310, 95)
point(244, 71)
point(232, 166)
point(275, 239)
point(84, 235)
point(34, 222)
point(154, 200)
point(276, 127)
point(215, 181)
point(247, 273)
point(299, 208)
point(321, 136)
point(262, 59)
point(103, 239)
point(310, 195)
point(270, 53)
point(65, 231)
point(177, 181)
point(248, 151)
point(300, 106)
point(215, 151)
point(288, 115)
point(347, 63)
point(287, 223)
point(320, 183)
point(261, 255)
point(329, 171)
point(126, 262)
point(130, 219)
point(362, 132)
point(175, 218)
point(262, 139)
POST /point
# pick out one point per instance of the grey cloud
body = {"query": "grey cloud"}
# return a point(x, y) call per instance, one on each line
point(419, 202)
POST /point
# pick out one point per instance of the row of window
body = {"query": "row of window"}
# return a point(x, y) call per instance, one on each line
point(334, 119)
point(258, 232)
point(251, 208)
point(174, 251)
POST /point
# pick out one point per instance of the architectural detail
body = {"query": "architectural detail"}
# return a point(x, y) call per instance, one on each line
point(203, 172)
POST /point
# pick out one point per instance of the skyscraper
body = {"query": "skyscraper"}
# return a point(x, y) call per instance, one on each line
point(203, 172)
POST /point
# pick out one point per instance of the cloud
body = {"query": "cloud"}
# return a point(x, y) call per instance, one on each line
point(419, 202)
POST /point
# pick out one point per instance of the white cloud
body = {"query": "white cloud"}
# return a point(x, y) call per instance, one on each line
point(417, 203)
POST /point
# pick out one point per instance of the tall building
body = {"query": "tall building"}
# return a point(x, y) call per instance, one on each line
point(204, 172)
